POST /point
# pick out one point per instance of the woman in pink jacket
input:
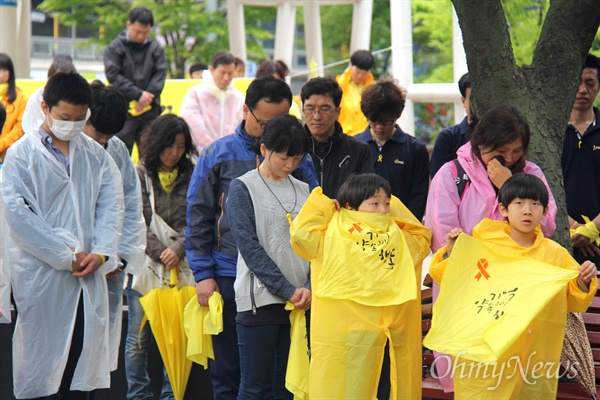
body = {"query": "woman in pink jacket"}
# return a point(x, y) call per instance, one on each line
point(496, 151)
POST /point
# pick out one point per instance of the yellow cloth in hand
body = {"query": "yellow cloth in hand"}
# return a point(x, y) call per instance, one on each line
point(589, 230)
point(296, 376)
point(134, 112)
point(200, 323)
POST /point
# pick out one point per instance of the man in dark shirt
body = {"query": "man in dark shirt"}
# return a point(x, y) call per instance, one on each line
point(136, 65)
point(581, 163)
point(397, 156)
point(335, 155)
point(452, 138)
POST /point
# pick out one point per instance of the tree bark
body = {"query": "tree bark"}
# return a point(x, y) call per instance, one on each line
point(543, 91)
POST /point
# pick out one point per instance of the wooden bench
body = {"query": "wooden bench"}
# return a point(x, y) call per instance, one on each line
point(432, 388)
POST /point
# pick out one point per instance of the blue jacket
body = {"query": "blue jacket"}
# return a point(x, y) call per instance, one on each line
point(210, 248)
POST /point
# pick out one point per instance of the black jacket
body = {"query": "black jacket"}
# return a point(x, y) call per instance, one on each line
point(338, 158)
point(133, 68)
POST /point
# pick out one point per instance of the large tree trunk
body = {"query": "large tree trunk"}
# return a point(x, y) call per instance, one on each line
point(545, 90)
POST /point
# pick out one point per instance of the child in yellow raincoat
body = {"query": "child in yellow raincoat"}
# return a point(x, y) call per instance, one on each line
point(365, 273)
point(529, 368)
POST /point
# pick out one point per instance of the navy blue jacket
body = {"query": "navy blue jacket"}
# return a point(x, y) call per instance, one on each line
point(404, 162)
point(580, 165)
point(446, 145)
point(210, 248)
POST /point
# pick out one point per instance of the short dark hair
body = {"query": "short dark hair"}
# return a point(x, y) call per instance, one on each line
point(7, 64)
point(222, 58)
point(160, 135)
point(593, 62)
point(2, 116)
point(359, 188)
point(464, 83)
point(268, 89)
point(383, 100)
point(269, 68)
point(523, 186)
point(142, 15)
point(362, 59)
point(197, 67)
point(71, 88)
point(284, 133)
point(239, 61)
point(322, 86)
point(62, 63)
point(499, 126)
point(108, 109)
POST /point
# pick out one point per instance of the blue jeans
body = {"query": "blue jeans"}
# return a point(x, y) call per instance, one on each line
point(136, 356)
point(264, 353)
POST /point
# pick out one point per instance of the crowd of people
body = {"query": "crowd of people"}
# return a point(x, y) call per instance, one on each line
point(327, 206)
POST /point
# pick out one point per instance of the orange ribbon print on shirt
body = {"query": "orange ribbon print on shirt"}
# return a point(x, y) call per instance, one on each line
point(355, 226)
point(482, 265)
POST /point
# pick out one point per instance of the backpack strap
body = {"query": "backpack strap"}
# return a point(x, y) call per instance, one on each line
point(460, 178)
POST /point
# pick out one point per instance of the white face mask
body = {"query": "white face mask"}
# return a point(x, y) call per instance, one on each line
point(65, 130)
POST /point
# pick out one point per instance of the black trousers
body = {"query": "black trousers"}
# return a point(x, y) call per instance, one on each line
point(135, 126)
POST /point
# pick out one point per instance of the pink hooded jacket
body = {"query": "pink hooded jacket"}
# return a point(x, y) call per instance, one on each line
point(446, 211)
point(210, 112)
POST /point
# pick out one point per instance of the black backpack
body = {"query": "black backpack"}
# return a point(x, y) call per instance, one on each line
point(460, 177)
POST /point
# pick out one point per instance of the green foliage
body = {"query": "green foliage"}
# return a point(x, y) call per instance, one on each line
point(190, 31)
point(432, 56)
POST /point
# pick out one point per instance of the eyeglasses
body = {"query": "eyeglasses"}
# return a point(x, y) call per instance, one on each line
point(384, 123)
point(258, 121)
point(310, 111)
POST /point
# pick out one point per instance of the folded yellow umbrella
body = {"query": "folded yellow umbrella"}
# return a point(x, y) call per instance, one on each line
point(200, 324)
point(163, 309)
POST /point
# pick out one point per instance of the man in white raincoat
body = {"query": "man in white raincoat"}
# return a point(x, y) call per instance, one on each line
point(109, 113)
point(63, 197)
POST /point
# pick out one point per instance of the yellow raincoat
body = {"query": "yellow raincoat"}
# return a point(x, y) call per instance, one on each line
point(528, 369)
point(348, 329)
point(351, 117)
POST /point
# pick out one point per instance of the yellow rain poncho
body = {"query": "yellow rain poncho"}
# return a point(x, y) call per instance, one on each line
point(504, 305)
point(200, 324)
point(351, 117)
point(364, 270)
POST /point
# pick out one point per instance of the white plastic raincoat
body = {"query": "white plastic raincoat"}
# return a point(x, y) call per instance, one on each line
point(33, 117)
point(50, 212)
point(132, 245)
point(5, 318)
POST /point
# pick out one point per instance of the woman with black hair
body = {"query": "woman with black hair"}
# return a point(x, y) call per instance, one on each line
point(14, 101)
point(260, 206)
point(165, 170)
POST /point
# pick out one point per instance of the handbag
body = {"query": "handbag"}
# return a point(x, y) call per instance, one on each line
point(155, 273)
